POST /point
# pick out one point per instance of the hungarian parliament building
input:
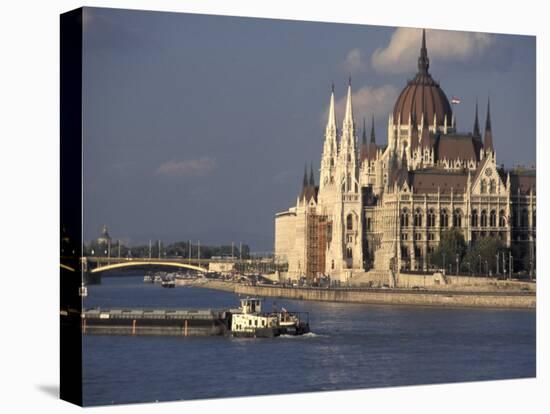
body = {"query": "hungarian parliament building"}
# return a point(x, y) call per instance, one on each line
point(382, 209)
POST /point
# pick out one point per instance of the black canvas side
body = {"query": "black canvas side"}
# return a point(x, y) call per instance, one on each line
point(71, 205)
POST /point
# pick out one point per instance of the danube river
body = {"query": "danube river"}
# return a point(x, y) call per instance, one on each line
point(351, 346)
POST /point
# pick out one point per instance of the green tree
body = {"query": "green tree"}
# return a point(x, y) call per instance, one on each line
point(452, 244)
point(483, 255)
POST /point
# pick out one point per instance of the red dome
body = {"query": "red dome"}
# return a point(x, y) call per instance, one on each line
point(422, 95)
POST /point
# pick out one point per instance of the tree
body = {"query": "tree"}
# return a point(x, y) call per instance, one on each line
point(482, 256)
point(452, 244)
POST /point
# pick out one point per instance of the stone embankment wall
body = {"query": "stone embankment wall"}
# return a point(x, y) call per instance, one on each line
point(396, 297)
point(437, 281)
point(466, 283)
point(481, 299)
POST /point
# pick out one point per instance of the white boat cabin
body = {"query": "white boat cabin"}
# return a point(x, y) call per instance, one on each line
point(250, 318)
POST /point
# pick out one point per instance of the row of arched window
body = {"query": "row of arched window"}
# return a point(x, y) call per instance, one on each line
point(484, 219)
point(481, 219)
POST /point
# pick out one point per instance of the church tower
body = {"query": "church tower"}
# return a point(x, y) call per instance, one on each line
point(344, 251)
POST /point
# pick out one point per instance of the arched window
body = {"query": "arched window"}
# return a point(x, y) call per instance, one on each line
point(534, 218)
point(483, 187)
point(348, 183)
point(492, 187)
point(431, 218)
point(474, 218)
point(524, 222)
point(501, 219)
point(457, 218)
point(349, 222)
point(349, 253)
point(483, 218)
point(405, 218)
point(418, 218)
point(493, 218)
point(444, 219)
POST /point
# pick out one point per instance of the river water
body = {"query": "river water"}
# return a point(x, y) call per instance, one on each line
point(351, 346)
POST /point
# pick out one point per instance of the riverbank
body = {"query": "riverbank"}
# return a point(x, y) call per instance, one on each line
point(481, 299)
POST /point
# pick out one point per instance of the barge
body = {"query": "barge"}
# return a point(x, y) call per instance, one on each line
point(246, 321)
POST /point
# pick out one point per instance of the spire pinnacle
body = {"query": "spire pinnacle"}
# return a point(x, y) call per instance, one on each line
point(488, 120)
point(304, 182)
point(372, 134)
point(348, 117)
point(488, 138)
point(364, 137)
point(423, 60)
point(476, 124)
point(331, 122)
point(311, 179)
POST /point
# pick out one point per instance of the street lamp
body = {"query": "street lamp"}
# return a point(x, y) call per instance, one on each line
point(479, 260)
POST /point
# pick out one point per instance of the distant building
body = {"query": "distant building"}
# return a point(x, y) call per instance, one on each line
point(105, 238)
point(383, 208)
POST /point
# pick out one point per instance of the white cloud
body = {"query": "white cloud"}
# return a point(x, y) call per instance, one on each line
point(354, 62)
point(201, 166)
point(366, 101)
point(401, 55)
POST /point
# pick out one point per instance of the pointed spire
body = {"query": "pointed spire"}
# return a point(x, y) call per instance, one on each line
point(348, 117)
point(311, 179)
point(304, 181)
point(476, 133)
point(488, 138)
point(488, 120)
point(331, 122)
point(364, 135)
point(372, 134)
point(423, 60)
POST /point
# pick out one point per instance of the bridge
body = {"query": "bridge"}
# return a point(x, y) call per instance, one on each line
point(94, 267)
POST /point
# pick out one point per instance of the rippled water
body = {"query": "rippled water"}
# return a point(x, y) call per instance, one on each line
point(352, 346)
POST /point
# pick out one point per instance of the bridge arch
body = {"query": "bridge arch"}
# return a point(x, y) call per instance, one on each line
point(130, 264)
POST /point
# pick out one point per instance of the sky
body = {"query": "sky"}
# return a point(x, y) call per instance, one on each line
point(198, 127)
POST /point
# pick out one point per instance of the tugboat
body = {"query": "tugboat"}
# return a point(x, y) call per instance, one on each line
point(249, 321)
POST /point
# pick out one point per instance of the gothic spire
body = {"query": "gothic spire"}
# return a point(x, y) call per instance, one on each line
point(364, 136)
point(423, 60)
point(331, 122)
point(488, 138)
point(477, 133)
point(348, 117)
point(311, 179)
point(372, 134)
point(304, 181)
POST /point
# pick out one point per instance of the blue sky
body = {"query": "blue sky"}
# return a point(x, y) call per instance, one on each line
point(198, 127)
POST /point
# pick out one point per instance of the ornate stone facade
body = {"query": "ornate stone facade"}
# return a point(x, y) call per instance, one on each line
point(384, 208)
